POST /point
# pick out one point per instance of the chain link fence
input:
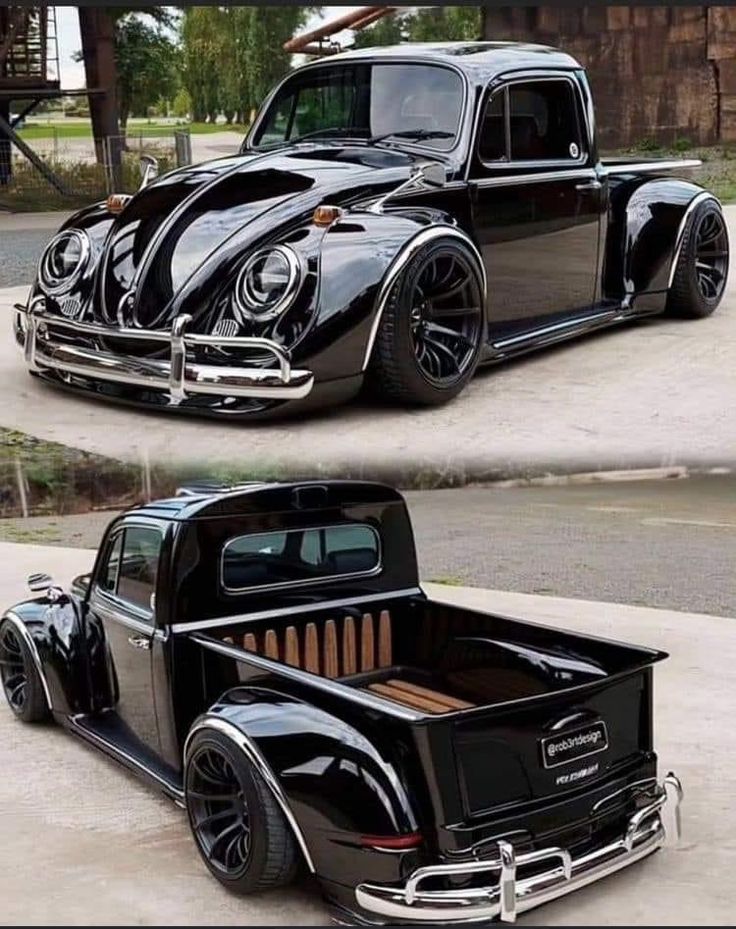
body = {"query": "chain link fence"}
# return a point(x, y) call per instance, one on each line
point(83, 173)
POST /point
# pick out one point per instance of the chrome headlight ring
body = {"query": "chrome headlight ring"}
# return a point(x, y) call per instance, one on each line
point(268, 283)
point(57, 272)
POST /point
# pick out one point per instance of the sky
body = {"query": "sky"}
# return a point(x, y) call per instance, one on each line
point(67, 24)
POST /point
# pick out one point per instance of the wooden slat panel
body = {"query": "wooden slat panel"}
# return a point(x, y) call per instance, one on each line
point(249, 642)
point(291, 653)
point(384, 640)
point(349, 650)
point(271, 645)
point(330, 661)
point(452, 703)
point(407, 699)
point(311, 649)
point(367, 644)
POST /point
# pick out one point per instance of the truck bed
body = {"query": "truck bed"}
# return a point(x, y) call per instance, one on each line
point(433, 658)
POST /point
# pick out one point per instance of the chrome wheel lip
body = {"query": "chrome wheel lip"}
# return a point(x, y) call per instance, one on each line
point(218, 811)
point(441, 337)
point(13, 671)
point(711, 256)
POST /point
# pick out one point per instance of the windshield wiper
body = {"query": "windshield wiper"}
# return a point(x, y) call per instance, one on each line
point(317, 133)
point(416, 134)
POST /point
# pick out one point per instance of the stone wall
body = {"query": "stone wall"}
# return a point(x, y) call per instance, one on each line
point(658, 73)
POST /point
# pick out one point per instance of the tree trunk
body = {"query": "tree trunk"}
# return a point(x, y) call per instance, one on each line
point(98, 49)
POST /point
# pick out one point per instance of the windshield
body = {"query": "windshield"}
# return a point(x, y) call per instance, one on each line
point(366, 101)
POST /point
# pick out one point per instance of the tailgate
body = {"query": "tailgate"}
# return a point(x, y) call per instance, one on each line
point(552, 744)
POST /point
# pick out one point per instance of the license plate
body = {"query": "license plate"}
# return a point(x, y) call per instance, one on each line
point(574, 744)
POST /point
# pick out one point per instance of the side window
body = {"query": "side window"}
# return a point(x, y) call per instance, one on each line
point(531, 121)
point(109, 574)
point(132, 566)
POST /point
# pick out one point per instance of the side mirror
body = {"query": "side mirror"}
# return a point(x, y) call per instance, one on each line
point(149, 170)
point(435, 175)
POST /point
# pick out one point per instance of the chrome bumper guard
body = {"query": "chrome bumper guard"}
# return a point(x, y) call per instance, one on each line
point(176, 376)
point(655, 824)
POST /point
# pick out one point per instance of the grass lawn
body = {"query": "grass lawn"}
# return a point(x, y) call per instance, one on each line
point(83, 130)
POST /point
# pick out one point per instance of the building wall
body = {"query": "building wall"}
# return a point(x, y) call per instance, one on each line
point(658, 73)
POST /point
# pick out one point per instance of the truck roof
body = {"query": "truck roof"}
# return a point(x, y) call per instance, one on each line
point(479, 60)
point(200, 501)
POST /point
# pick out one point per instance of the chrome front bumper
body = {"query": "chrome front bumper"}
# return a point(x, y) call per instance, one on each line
point(655, 824)
point(177, 376)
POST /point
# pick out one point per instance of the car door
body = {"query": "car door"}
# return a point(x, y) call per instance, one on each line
point(537, 203)
point(122, 603)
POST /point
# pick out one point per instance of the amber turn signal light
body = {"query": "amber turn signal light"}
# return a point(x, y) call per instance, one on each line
point(116, 203)
point(325, 215)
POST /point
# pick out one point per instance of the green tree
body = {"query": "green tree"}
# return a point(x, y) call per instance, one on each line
point(207, 58)
point(390, 30)
point(233, 55)
point(436, 24)
point(147, 66)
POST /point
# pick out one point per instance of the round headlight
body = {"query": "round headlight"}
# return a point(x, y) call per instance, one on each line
point(64, 260)
point(268, 282)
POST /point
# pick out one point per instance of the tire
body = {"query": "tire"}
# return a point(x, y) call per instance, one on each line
point(410, 361)
point(702, 265)
point(266, 857)
point(20, 678)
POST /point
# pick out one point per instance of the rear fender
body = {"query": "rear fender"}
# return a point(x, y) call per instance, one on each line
point(646, 228)
point(53, 634)
point(331, 782)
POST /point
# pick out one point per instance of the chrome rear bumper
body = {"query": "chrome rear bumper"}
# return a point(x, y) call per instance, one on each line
point(177, 376)
point(655, 824)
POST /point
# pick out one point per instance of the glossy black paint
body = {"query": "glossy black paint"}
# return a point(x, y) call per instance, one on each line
point(349, 765)
point(599, 239)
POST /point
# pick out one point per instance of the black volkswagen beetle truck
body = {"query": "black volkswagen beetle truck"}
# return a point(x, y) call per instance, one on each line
point(266, 656)
point(396, 216)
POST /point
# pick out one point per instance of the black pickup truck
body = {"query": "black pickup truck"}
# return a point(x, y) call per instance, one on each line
point(396, 217)
point(266, 656)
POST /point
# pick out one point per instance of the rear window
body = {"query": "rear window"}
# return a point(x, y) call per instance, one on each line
point(299, 556)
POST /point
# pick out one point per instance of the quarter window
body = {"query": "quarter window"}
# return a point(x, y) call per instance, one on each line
point(299, 556)
point(132, 567)
point(531, 121)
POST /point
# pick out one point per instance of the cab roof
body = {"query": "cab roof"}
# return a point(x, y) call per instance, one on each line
point(479, 60)
point(201, 501)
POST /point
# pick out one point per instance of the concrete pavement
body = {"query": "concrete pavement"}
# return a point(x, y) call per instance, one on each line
point(107, 849)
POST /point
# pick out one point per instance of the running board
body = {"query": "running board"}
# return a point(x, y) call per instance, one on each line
point(111, 735)
point(558, 332)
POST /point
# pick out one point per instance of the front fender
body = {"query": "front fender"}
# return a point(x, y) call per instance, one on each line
point(53, 633)
point(646, 224)
point(332, 783)
point(362, 256)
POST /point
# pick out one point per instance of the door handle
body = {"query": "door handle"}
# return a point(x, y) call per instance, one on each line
point(139, 641)
point(589, 185)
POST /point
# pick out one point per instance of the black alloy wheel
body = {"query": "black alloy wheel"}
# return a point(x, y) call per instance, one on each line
point(219, 811)
point(711, 255)
point(445, 317)
point(20, 679)
point(701, 273)
point(431, 332)
point(239, 829)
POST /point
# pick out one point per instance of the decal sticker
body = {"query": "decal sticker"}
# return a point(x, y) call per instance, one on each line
point(574, 744)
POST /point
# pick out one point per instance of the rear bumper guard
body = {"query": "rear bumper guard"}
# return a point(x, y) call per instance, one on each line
point(178, 377)
point(655, 824)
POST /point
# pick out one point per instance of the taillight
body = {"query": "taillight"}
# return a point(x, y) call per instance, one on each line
point(392, 842)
